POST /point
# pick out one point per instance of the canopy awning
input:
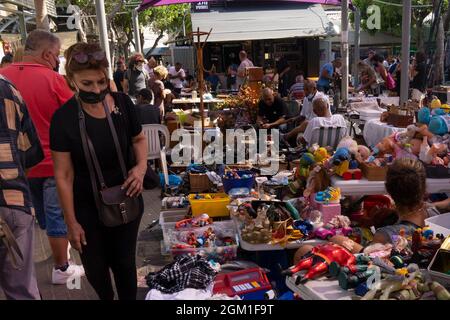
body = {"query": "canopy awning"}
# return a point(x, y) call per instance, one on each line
point(264, 22)
point(153, 3)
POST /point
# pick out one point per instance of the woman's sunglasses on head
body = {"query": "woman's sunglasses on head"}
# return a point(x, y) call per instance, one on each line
point(82, 57)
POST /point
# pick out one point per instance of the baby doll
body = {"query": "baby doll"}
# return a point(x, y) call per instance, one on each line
point(363, 153)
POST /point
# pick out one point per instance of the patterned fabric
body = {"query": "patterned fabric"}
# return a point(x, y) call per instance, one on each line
point(19, 149)
point(185, 272)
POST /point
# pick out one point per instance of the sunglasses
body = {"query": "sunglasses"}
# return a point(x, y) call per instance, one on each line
point(82, 57)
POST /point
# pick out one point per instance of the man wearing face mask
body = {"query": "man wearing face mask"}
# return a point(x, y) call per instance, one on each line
point(44, 91)
point(135, 77)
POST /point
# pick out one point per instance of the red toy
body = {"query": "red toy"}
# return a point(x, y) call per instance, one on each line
point(249, 284)
point(317, 261)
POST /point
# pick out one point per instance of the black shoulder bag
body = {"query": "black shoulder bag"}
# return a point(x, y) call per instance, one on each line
point(114, 206)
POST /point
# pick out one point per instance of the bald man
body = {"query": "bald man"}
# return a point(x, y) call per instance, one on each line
point(324, 119)
point(311, 93)
point(270, 110)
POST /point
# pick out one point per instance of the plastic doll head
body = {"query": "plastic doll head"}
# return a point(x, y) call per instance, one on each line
point(363, 153)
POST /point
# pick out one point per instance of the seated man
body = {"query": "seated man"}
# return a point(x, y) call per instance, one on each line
point(146, 112)
point(324, 118)
point(270, 110)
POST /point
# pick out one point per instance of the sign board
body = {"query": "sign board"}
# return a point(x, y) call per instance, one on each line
point(201, 6)
point(29, 4)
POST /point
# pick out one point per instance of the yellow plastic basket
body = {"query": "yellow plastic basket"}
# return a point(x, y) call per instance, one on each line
point(214, 207)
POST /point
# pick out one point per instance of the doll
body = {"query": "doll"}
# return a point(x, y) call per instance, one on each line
point(318, 180)
point(363, 153)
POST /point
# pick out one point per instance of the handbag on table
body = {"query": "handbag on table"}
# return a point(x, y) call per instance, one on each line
point(115, 208)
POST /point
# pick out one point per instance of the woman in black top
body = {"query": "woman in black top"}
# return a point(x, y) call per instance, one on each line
point(419, 73)
point(101, 248)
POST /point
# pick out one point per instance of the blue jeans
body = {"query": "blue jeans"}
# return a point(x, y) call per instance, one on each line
point(46, 204)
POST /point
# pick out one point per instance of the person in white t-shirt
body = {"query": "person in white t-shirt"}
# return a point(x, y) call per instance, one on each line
point(176, 76)
point(324, 119)
point(307, 113)
point(311, 94)
point(245, 63)
point(148, 67)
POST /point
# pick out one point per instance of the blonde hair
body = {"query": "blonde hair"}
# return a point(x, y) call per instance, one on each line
point(161, 71)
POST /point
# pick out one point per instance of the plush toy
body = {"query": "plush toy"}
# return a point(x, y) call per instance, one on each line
point(345, 164)
point(439, 125)
point(349, 143)
point(306, 161)
point(321, 155)
point(435, 103)
point(424, 115)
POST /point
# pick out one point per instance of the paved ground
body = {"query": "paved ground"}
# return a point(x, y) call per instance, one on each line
point(149, 257)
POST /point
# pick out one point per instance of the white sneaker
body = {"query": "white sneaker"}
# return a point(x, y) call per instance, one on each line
point(73, 271)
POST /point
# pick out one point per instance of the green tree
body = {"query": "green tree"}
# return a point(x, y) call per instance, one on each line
point(391, 17)
point(165, 19)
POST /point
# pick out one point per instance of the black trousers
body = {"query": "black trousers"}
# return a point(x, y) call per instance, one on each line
point(109, 249)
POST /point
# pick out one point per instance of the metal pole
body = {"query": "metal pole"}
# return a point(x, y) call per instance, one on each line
point(137, 36)
point(406, 36)
point(23, 26)
point(103, 31)
point(356, 52)
point(344, 52)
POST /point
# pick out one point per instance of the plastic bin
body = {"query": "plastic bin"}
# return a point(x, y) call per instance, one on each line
point(167, 221)
point(439, 224)
point(229, 184)
point(221, 254)
point(215, 207)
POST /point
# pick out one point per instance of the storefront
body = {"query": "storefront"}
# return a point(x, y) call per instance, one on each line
point(292, 30)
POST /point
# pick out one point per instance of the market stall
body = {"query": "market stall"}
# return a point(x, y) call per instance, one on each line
point(308, 229)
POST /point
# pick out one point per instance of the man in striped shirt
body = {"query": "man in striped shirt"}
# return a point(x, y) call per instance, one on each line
point(20, 149)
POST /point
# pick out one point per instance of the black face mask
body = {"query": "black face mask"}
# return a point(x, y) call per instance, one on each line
point(56, 68)
point(92, 97)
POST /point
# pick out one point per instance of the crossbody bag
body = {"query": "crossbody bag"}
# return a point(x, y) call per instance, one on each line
point(115, 208)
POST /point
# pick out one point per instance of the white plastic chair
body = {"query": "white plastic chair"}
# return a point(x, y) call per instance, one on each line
point(328, 136)
point(151, 131)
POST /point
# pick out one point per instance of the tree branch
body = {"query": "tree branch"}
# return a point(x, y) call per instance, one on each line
point(160, 36)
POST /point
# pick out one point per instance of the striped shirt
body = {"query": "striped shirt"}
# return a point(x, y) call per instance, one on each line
point(20, 149)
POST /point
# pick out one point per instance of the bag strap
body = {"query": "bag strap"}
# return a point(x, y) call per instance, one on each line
point(116, 141)
point(8, 239)
point(85, 145)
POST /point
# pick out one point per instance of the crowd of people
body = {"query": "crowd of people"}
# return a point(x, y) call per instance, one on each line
point(45, 163)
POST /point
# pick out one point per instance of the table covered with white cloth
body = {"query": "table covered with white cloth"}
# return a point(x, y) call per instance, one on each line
point(375, 131)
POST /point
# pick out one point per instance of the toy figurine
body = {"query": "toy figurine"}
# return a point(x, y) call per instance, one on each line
point(317, 261)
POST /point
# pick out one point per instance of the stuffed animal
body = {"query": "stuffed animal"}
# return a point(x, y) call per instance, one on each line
point(306, 161)
point(321, 155)
point(439, 125)
point(345, 164)
point(349, 143)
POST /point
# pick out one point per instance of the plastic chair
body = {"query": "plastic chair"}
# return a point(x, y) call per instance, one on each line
point(328, 136)
point(151, 131)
